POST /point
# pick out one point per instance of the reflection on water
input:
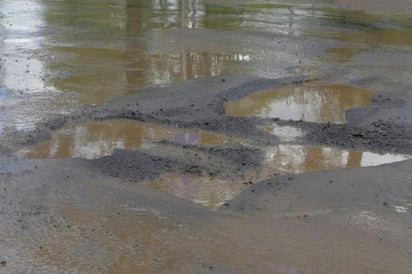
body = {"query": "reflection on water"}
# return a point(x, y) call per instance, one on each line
point(102, 49)
point(285, 133)
point(25, 98)
point(98, 139)
point(300, 159)
point(107, 49)
point(22, 36)
point(311, 103)
point(127, 47)
point(208, 192)
point(283, 159)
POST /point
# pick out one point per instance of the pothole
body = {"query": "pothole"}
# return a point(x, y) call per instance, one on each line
point(307, 102)
point(97, 139)
point(285, 133)
point(279, 160)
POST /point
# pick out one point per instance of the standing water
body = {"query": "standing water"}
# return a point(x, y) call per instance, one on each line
point(70, 216)
point(57, 54)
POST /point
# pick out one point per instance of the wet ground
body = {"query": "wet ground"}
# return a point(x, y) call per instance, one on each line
point(205, 136)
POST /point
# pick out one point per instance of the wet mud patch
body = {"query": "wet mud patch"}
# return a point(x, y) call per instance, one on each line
point(222, 162)
point(94, 240)
point(311, 103)
point(342, 54)
point(143, 235)
point(133, 165)
point(379, 37)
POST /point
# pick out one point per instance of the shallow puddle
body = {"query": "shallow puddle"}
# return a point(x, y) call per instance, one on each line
point(279, 160)
point(298, 159)
point(97, 139)
point(311, 103)
point(285, 133)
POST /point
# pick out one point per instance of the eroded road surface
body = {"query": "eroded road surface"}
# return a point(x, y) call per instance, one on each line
point(205, 136)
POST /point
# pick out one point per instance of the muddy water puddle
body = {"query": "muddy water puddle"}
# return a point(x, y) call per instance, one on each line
point(97, 139)
point(278, 160)
point(310, 103)
point(284, 133)
point(55, 55)
point(99, 50)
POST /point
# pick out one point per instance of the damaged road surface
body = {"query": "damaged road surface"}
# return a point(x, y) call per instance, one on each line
point(201, 137)
point(146, 185)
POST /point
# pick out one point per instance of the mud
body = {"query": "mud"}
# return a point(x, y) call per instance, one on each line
point(151, 194)
point(218, 137)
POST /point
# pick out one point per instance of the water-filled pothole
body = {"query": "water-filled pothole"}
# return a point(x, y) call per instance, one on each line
point(308, 102)
point(278, 160)
point(285, 133)
point(97, 139)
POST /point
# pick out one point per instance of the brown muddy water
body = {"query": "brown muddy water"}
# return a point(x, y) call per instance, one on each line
point(98, 139)
point(59, 55)
point(310, 103)
point(97, 50)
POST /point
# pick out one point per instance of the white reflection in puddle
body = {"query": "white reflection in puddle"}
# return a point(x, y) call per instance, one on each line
point(285, 133)
point(299, 159)
point(320, 103)
point(97, 139)
point(373, 159)
point(282, 159)
point(24, 69)
point(21, 69)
